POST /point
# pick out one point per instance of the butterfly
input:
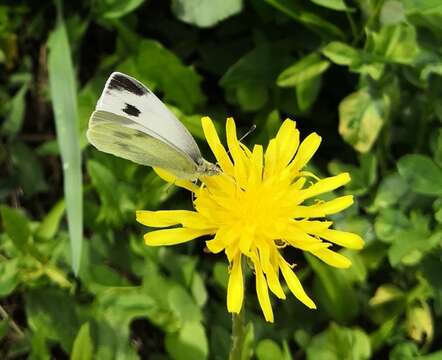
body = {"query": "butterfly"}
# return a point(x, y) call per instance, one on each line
point(129, 121)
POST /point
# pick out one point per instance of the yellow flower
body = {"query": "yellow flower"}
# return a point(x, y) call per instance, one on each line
point(254, 208)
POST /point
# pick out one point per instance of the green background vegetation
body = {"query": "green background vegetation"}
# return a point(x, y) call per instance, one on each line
point(364, 74)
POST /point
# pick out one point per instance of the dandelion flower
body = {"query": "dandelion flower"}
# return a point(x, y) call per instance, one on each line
point(254, 208)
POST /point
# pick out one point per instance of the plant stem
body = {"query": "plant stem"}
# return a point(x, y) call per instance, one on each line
point(239, 326)
point(238, 335)
point(14, 326)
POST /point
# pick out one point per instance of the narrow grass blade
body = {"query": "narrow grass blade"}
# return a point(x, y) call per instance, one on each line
point(64, 104)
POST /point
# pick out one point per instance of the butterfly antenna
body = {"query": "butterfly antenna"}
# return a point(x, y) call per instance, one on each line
point(252, 129)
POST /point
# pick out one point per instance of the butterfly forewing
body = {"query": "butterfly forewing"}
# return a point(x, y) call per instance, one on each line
point(128, 98)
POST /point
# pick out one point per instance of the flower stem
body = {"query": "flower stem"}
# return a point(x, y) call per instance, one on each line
point(238, 326)
point(238, 335)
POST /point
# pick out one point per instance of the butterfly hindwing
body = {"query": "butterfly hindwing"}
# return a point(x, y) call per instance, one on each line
point(125, 138)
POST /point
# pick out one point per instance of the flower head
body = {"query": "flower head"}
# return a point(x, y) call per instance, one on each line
point(254, 208)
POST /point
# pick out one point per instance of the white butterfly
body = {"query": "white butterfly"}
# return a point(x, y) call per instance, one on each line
point(131, 122)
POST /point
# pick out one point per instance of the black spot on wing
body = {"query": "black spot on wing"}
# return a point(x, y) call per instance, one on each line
point(122, 82)
point(131, 110)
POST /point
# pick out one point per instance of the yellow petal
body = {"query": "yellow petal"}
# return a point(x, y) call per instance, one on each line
point(312, 227)
point(255, 174)
point(301, 240)
point(237, 153)
point(295, 285)
point(215, 245)
point(305, 152)
point(216, 146)
point(322, 209)
point(343, 238)
point(270, 271)
point(270, 159)
point(170, 178)
point(223, 238)
point(332, 258)
point(325, 185)
point(263, 292)
point(307, 245)
point(235, 287)
point(165, 218)
point(172, 236)
point(287, 141)
point(245, 241)
point(232, 250)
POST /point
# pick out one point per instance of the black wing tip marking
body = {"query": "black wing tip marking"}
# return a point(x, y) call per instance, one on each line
point(120, 82)
point(131, 110)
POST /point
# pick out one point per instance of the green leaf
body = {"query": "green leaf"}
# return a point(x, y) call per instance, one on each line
point(39, 347)
point(421, 174)
point(409, 245)
point(219, 342)
point(430, 267)
point(114, 9)
point(183, 305)
point(389, 224)
point(106, 185)
point(83, 348)
point(361, 117)
point(339, 343)
point(28, 171)
point(296, 10)
point(362, 178)
point(334, 292)
point(341, 53)
point(437, 148)
point(338, 5)
point(390, 191)
point(8, 276)
point(52, 313)
point(252, 98)
point(425, 13)
point(268, 350)
point(419, 323)
point(307, 92)
point(50, 224)
point(259, 67)
point(4, 328)
point(87, 100)
point(198, 288)
point(385, 294)
point(308, 67)
point(161, 69)
point(13, 123)
point(437, 355)
point(16, 226)
point(205, 13)
point(191, 122)
point(221, 274)
point(392, 12)
point(64, 103)
point(405, 351)
point(394, 43)
point(189, 343)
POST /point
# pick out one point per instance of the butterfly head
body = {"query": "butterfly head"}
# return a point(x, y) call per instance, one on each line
point(206, 168)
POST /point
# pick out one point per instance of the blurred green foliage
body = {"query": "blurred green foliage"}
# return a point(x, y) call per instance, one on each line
point(365, 74)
